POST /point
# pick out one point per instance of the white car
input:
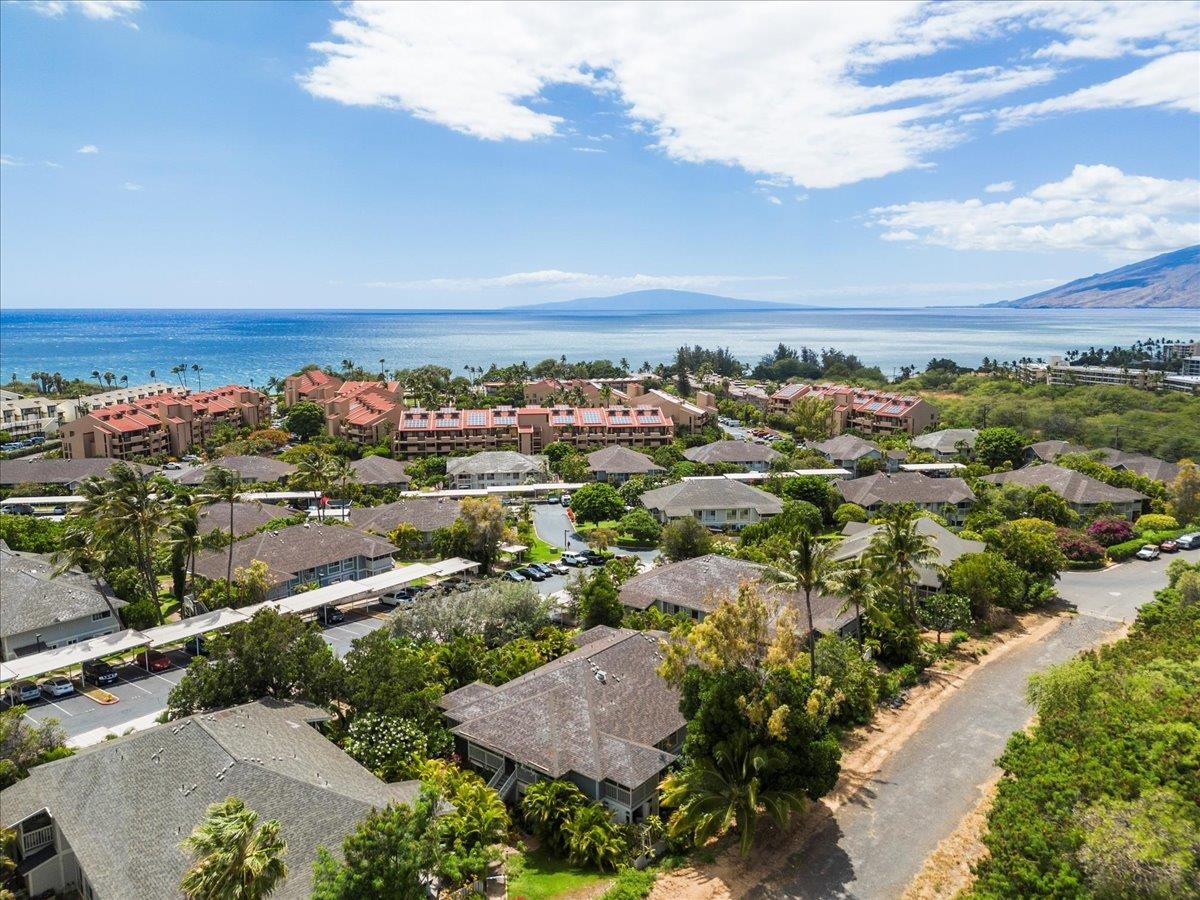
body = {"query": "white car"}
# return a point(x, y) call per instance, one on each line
point(1148, 552)
point(172, 466)
point(58, 686)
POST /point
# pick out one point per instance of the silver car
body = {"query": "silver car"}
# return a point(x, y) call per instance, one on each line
point(58, 686)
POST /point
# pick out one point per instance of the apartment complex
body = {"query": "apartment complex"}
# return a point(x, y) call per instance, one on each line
point(69, 410)
point(168, 423)
point(1060, 372)
point(860, 409)
point(687, 415)
point(366, 412)
point(26, 417)
point(527, 429)
point(314, 385)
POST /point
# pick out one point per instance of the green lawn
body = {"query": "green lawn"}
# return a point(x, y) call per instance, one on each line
point(539, 551)
point(537, 875)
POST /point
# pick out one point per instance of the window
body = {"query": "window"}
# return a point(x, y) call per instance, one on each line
point(100, 616)
point(614, 792)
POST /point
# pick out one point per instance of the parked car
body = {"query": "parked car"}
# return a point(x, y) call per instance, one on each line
point(1148, 552)
point(19, 509)
point(59, 510)
point(190, 458)
point(157, 661)
point(97, 671)
point(1189, 541)
point(58, 686)
point(330, 615)
point(398, 596)
point(543, 568)
point(553, 498)
point(24, 692)
point(593, 558)
point(558, 568)
point(197, 646)
point(1169, 546)
point(533, 574)
point(565, 500)
point(574, 560)
point(173, 466)
point(513, 575)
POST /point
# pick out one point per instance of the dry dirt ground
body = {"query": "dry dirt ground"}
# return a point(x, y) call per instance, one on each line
point(864, 752)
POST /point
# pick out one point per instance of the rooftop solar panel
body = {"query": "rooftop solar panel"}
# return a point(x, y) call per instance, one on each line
point(591, 417)
point(477, 418)
point(620, 420)
point(504, 420)
point(563, 420)
point(447, 423)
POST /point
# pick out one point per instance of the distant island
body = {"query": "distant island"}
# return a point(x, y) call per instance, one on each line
point(650, 302)
point(1169, 281)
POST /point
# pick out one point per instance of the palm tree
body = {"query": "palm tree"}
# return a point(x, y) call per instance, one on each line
point(109, 378)
point(127, 507)
point(342, 473)
point(546, 807)
point(897, 550)
point(223, 486)
point(592, 837)
point(184, 534)
point(124, 381)
point(179, 370)
point(811, 564)
point(233, 860)
point(853, 581)
point(382, 373)
point(315, 473)
point(152, 374)
point(713, 795)
point(96, 375)
point(197, 368)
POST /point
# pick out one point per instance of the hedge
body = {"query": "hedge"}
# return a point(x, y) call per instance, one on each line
point(1122, 552)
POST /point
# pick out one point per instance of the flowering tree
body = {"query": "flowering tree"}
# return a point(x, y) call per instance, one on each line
point(1110, 531)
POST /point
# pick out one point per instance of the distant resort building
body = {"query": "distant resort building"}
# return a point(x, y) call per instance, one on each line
point(861, 409)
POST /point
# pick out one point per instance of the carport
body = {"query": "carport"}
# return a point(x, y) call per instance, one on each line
point(72, 655)
point(196, 626)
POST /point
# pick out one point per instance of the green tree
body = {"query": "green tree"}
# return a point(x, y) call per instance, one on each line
point(854, 582)
point(574, 468)
point(686, 538)
point(945, 612)
point(24, 745)
point(642, 527)
point(385, 856)
point(547, 807)
point(593, 838)
point(598, 601)
point(812, 563)
point(184, 536)
point(1185, 492)
point(987, 579)
point(1032, 549)
point(897, 552)
point(392, 678)
point(597, 502)
point(484, 528)
point(999, 445)
point(305, 419)
point(31, 534)
point(222, 485)
point(408, 539)
point(849, 512)
point(271, 655)
point(714, 794)
point(232, 858)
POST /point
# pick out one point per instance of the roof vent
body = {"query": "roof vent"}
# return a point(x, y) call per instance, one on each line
point(601, 676)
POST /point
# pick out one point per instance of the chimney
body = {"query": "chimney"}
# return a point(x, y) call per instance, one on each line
point(636, 389)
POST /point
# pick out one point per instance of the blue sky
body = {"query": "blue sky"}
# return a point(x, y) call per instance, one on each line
point(398, 155)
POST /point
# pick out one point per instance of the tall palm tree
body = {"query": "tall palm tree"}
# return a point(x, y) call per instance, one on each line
point(342, 473)
point(233, 859)
point(223, 485)
point(854, 582)
point(896, 552)
point(128, 507)
point(713, 795)
point(197, 368)
point(315, 473)
point(811, 565)
point(184, 534)
point(152, 374)
point(124, 381)
point(546, 807)
point(96, 375)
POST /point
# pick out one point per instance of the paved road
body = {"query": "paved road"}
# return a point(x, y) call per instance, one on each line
point(873, 846)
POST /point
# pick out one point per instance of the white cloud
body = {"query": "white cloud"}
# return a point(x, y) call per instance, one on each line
point(588, 150)
point(52, 165)
point(1169, 82)
point(7, 160)
point(557, 278)
point(1000, 187)
point(1094, 208)
point(773, 200)
point(88, 148)
point(131, 186)
point(105, 10)
point(810, 104)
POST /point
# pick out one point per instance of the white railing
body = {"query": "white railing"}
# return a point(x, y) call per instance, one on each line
point(35, 840)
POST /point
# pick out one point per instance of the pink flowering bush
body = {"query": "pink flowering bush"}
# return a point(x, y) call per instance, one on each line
point(1107, 532)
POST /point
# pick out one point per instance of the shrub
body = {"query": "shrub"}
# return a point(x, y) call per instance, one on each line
point(1123, 551)
point(631, 884)
point(1155, 522)
point(849, 512)
point(1078, 547)
point(1108, 532)
point(841, 659)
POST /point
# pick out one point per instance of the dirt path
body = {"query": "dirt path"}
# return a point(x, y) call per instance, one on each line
point(865, 752)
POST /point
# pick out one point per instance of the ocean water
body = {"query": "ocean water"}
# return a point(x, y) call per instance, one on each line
point(252, 345)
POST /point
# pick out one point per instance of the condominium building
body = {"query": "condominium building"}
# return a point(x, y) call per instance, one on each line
point(1059, 372)
point(313, 385)
point(1191, 366)
point(686, 414)
point(860, 409)
point(69, 410)
point(526, 429)
point(26, 417)
point(366, 412)
point(168, 423)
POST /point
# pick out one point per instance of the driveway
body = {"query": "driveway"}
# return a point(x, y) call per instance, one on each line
point(551, 524)
point(874, 845)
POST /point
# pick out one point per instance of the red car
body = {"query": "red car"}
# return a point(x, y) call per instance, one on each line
point(1169, 547)
point(157, 661)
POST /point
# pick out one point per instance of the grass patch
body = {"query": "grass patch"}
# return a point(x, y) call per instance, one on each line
point(169, 606)
point(539, 551)
point(536, 875)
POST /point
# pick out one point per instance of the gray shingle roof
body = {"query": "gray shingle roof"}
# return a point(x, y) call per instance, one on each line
point(1141, 463)
point(380, 470)
point(1048, 451)
point(250, 468)
point(691, 583)
point(1074, 487)
point(710, 493)
point(946, 441)
point(57, 471)
point(903, 487)
point(494, 461)
point(294, 549)
point(948, 545)
point(30, 598)
point(845, 446)
point(425, 513)
point(125, 805)
point(621, 461)
point(246, 517)
point(734, 452)
point(562, 717)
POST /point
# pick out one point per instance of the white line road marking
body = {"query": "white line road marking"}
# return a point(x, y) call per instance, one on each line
point(59, 708)
point(131, 684)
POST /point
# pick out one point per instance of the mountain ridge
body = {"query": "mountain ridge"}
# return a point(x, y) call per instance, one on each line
point(1167, 281)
